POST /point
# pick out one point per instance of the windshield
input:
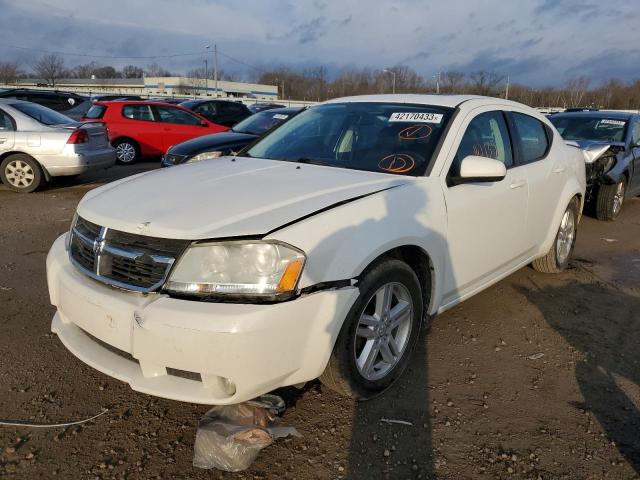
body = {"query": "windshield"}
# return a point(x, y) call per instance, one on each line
point(259, 123)
point(590, 128)
point(42, 114)
point(376, 137)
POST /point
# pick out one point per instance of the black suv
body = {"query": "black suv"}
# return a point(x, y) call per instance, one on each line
point(221, 112)
point(70, 104)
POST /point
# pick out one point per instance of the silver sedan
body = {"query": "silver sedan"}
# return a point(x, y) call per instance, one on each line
point(37, 143)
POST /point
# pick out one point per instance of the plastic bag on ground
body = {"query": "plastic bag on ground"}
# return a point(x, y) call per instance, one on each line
point(229, 437)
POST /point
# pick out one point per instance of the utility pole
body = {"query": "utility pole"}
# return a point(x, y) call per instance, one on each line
point(437, 77)
point(206, 70)
point(506, 91)
point(215, 67)
point(393, 73)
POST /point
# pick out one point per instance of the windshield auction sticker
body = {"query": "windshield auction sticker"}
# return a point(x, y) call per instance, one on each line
point(416, 117)
point(608, 121)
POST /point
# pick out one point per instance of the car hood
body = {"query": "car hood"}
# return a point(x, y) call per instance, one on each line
point(227, 197)
point(210, 142)
point(594, 149)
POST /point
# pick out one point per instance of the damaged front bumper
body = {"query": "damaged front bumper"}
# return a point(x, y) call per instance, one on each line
point(200, 352)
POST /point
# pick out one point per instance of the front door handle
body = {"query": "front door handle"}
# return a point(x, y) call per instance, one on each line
point(518, 184)
point(3, 140)
point(559, 170)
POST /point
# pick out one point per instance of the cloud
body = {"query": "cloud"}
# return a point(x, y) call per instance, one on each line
point(538, 42)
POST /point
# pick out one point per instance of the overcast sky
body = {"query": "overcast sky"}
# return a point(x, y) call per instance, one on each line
point(540, 42)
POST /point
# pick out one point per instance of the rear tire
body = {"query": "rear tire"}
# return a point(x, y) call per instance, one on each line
point(375, 343)
point(21, 173)
point(609, 200)
point(557, 258)
point(127, 151)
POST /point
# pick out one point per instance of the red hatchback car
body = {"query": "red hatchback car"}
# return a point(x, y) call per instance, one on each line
point(147, 129)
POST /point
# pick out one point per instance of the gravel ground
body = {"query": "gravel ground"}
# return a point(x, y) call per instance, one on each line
point(537, 377)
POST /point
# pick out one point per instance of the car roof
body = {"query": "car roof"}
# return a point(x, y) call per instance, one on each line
point(595, 114)
point(106, 103)
point(282, 110)
point(12, 101)
point(439, 100)
point(34, 90)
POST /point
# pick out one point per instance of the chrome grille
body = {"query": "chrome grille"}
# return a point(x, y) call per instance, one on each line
point(120, 259)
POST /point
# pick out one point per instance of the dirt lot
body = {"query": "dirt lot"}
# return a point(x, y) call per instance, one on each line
point(537, 377)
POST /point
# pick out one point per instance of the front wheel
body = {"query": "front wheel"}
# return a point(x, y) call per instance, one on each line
point(609, 200)
point(557, 259)
point(379, 333)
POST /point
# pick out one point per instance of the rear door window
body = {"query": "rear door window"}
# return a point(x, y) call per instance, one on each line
point(532, 137)
point(6, 122)
point(177, 116)
point(138, 112)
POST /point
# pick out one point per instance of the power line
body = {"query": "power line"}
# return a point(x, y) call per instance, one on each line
point(139, 57)
point(240, 61)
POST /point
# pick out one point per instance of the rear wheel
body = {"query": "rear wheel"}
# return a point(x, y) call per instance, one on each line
point(557, 259)
point(127, 151)
point(21, 173)
point(609, 200)
point(379, 333)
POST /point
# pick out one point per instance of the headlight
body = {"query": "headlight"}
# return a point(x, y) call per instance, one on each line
point(204, 156)
point(67, 240)
point(263, 269)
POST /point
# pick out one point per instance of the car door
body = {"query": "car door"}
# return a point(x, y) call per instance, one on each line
point(634, 183)
point(7, 132)
point(137, 122)
point(545, 171)
point(178, 125)
point(486, 220)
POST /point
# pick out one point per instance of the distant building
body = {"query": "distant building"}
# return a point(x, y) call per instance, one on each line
point(160, 86)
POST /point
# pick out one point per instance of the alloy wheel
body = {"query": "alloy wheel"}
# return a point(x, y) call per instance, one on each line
point(566, 235)
point(383, 331)
point(125, 152)
point(19, 174)
point(618, 198)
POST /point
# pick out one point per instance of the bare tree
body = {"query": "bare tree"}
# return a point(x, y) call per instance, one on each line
point(155, 70)
point(85, 70)
point(50, 68)
point(577, 87)
point(485, 83)
point(131, 71)
point(452, 82)
point(9, 72)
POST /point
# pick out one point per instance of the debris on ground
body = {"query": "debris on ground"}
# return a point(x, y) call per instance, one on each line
point(20, 423)
point(399, 422)
point(230, 437)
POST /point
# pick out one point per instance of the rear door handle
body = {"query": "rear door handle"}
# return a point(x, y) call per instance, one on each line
point(518, 184)
point(559, 170)
point(3, 140)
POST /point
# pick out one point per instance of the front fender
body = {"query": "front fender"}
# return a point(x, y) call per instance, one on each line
point(340, 243)
point(620, 171)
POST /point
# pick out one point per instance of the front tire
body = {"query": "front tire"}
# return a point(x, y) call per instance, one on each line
point(557, 259)
point(609, 200)
point(380, 332)
point(21, 173)
point(127, 151)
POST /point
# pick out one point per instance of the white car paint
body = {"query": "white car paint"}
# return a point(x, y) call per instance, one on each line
point(474, 234)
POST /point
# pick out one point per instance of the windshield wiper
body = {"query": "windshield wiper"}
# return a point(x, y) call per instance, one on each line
point(312, 161)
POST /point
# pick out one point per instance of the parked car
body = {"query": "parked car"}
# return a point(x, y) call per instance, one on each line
point(37, 144)
point(227, 143)
point(221, 112)
point(140, 129)
point(259, 107)
point(322, 252)
point(171, 100)
point(70, 104)
point(612, 140)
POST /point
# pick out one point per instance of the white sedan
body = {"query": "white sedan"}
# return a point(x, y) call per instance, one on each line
point(321, 251)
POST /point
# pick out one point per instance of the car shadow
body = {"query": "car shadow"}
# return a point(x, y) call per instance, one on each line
point(100, 177)
point(391, 434)
point(607, 332)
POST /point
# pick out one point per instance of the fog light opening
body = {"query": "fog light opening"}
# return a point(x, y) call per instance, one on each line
point(227, 386)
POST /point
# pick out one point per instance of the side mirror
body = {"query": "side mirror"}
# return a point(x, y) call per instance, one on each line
point(481, 169)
